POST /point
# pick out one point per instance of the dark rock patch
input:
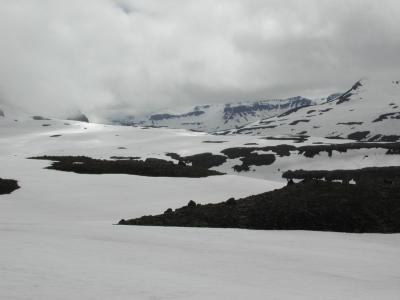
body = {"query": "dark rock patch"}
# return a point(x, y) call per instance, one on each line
point(358, 135)
point(214, 142)
point(150, 167)
point(347, 95)
point(309, 205)
point(299, 121)
point(46, 125)
point(254, 159)
point(385, 138)
point(394, 115)
point(125, 157)
point(203, 160)
point(40, 118)
point(7, 186)
point(350, 123)
point(365, 175)
point(308, 150)
point(2, 113)
point(55, 135)
point(296, 138)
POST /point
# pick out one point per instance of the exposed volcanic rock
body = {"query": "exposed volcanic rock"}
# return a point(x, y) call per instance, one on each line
point(40, 118)
point(7, 186)
point(394, 115)
point(347, 95)
point(299, 121)
point(350, 123)
point(358, 135)
point(372, 205)
point(247, 153)
point(254, 159)
point(203, 160)
point(150, 167)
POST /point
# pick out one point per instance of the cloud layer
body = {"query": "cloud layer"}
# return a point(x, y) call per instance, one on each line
point(143, 55)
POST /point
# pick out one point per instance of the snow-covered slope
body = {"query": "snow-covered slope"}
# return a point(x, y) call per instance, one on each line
point(215, 117)
point(369, 111)
point(58, 241)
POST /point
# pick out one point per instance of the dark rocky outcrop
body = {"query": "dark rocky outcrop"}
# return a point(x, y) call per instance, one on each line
point(40, 118)
point(150, 167)
point(254, 159)
point(358, 135)
point(394, 115)
point(202, 160)
point(309, 205)
point(298, 121)
point(7, 186)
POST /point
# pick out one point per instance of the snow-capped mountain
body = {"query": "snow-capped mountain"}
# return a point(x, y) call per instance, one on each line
point(368, 111)
point(209, 118)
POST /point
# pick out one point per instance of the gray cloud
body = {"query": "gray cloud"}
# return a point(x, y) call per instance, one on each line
point(142, 55)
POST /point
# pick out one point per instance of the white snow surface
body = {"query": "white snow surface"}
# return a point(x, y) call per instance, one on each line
point(329, 119)
point(58, 240)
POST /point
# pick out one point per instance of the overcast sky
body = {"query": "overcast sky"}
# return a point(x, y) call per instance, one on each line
point(140, 55)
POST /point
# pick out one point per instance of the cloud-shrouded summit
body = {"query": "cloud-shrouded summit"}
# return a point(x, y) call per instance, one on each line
point(142, 55)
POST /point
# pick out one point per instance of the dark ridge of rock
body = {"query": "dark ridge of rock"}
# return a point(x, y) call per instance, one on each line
point(7, 186)
point(371, 174)
point(350, 123)
point(125, 157)
point(46, 125)
point(250, 144)
point(238, 152)
point(230, 112)
point(203, 160)
point(255, 128)
point(309, 150)
point(326, 109)
point(385, 138)
point(150, 167)
point(309, 205)
point(347, 95)
point(300, 138)
point(311, 111)
point(394, 115)
point(214, 142)
point(55, 135)
point(2, 113)
point(299, 121)
point(358, 135)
